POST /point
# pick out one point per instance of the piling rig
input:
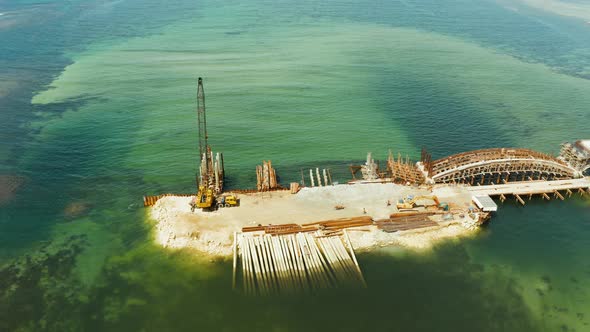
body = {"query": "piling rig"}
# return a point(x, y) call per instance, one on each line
point(210, 176)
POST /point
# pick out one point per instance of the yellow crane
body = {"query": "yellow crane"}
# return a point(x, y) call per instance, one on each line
point(209, 178)
point(205, 196)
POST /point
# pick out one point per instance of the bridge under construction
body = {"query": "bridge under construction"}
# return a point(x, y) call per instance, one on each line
point(483, 167)
point(493, 172)
point(287, 255)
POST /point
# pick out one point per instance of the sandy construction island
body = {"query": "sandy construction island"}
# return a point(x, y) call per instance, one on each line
point(212, 232)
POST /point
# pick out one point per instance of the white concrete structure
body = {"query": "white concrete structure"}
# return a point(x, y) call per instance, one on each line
point(485, 203)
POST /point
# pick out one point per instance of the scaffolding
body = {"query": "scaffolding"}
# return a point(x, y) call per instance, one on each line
point(577, 155)
point(404, 170)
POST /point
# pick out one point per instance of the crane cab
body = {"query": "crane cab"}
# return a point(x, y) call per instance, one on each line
point(205, 198)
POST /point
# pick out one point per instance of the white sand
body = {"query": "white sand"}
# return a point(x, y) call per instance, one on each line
point(212, 232)
point(418, 239)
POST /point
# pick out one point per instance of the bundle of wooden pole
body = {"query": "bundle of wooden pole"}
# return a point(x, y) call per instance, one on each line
point(328, 225)
point(402, 215)
point(247, 229)
point(266, 176)
point(397, 226)
point(406, 221)
point(275, 229)
point(294, 187)
point(343, 223)
point(293, 231)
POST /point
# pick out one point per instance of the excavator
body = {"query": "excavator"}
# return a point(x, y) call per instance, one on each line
point(409, 202)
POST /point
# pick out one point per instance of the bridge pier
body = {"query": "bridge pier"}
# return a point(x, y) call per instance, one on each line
point(558, 194)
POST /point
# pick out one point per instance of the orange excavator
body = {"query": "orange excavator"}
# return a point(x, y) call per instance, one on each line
point(409, 202)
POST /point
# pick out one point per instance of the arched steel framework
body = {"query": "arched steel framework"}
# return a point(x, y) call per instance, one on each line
point(498, 165)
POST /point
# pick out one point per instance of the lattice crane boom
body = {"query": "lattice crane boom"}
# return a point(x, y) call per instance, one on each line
point(204, 151)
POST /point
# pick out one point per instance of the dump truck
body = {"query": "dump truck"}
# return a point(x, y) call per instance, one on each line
point(228, 201)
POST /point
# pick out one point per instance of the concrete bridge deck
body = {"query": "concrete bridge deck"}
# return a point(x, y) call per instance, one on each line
point(531, 187)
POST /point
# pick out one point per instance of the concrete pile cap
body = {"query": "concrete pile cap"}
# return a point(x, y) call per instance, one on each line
point(485, 203)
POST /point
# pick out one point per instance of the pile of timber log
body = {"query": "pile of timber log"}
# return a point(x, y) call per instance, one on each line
point(287, 229)
point(391, 227)
point(258, 228)
point(342, 223)
point(278, 229)
point(409, 216)
point(326, 225)
point(266, 177)
point(294, 187)
point(406, 221)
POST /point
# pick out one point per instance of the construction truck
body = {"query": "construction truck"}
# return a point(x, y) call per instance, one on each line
point(409, 202)
point(228, 201)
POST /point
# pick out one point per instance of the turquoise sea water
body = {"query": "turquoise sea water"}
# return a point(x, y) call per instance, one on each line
point(97, 108)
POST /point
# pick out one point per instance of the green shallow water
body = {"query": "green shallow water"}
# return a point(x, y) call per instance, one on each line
point(98, 109)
